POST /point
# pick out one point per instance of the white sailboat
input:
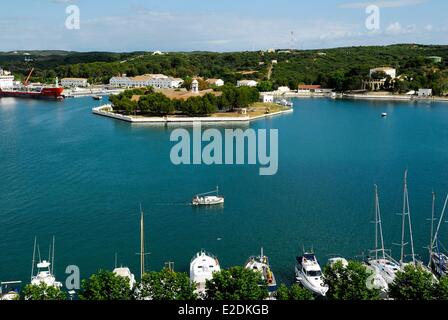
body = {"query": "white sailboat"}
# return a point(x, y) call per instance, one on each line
point(45, 269)
point(309, 274)
point(383, 265)
point(407, 214)
point(438, 260)
point(207, 199)
point(202, 267)
point(261, 264)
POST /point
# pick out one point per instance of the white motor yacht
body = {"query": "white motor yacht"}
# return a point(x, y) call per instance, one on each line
point(309, 274)
point(125, 272)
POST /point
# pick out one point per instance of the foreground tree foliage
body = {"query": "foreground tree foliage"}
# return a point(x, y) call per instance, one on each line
point(414, 283)
point(236, 283)
point(105, 285)
point(440, 289)
point(165, 285)
point(42, 292)
point(295, 292)
point(349, 282)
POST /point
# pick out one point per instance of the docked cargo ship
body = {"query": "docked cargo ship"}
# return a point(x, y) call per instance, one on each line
point(11, 88)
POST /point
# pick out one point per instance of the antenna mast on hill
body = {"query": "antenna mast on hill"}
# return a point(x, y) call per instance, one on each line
point(292, 41)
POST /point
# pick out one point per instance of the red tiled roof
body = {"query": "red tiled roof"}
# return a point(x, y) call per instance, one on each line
point(309, 86)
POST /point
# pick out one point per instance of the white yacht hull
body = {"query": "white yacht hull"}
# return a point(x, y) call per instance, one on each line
point(317, 287)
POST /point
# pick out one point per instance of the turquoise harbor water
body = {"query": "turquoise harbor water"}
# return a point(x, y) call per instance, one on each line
point(80, 177)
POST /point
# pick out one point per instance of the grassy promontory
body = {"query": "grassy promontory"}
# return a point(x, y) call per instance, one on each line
point(148, 102)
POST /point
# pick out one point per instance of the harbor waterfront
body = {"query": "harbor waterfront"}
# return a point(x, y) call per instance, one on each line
point(80, 177)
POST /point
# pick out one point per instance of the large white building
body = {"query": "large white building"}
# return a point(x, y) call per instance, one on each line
point(6, 79)
point(267, 98)
point(154, 80)
point(424, 92)
point(247, 83)
point(215, 82)
point(74, 82)
point(378, 84)
point(387, 70)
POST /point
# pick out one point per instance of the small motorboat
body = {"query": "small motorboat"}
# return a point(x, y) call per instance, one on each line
point(97, 98)
point(309, 274)
point(207, 199)
point(384, 115)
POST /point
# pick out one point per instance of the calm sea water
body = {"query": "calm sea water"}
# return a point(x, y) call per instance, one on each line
point(81, 177)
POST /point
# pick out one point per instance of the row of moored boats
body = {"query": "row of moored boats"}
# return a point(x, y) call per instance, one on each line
point(308, 271)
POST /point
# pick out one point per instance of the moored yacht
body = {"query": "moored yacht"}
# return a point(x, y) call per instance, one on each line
point(439, 264)
point(202, 267)
point(333, 261)
point(207, 199)
point(45, 270)
point(10, 290)
point(383, 265)
point(125, 272)
point(386, 268)
point(438, 261)
point(261, 264)
point(377, 281)
point(309, 274)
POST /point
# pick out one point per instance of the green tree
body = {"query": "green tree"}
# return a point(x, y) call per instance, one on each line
point(295, 292)
point(42, 292)
point(349, 282)
point(105, 285)
point(440, 289)
point(265, 86)
point(413, 283)
point(236, 283)
point(166, 285)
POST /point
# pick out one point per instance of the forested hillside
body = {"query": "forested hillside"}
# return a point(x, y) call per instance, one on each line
point(340, 68)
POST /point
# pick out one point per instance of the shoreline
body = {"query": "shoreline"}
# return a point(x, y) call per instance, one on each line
point(381, 97)
point(105, 111)
point(393, 98)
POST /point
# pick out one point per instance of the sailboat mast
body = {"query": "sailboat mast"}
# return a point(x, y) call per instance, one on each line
point(52, 258)
point(142, 244)
point(380, 224)
point(403, 220)
point(432, 227)
point(440, 223)
point(34, 258)
point(376, 223)
point(411, 236)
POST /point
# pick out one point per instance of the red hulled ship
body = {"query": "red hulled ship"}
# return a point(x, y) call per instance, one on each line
point(33, 91)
